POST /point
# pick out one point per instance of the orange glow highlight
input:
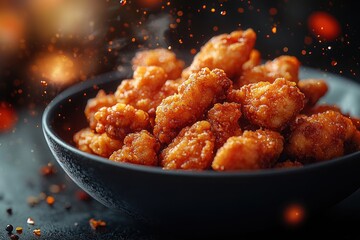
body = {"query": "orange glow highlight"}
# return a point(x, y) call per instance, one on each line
point(294, 215)
point(8, 117)
point(149, 3)
point(11, 29)
point(324, 26)
point(56, 69)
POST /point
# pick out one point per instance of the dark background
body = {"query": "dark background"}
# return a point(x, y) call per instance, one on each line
point(57, 43)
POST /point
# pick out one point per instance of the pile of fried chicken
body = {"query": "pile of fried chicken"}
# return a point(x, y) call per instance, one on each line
point(226, 111)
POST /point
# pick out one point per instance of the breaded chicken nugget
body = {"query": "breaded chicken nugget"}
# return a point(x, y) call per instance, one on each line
point(100, 144)
point(319, 137)
point(192, 149)
point(119, 120)
point(226, 51)
point(139, 148)
point(94, 104)
point(313, 89)
point(160, 57)
point(196, 95)
point(269, 105)
point(146, 90)
point(252, 150)
point(281, 67)
point(224, 120)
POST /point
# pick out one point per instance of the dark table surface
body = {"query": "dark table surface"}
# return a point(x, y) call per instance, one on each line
point(23, 152)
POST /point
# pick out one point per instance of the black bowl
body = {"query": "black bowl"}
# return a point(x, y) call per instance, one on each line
point(198, 200)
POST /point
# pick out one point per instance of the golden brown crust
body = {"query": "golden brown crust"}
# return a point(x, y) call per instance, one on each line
point(100, 144)
point(226, 51)
point(196, 95)
point(319, 137)
point(139, 148)
point(224, 120)
point(270, 105)
point(313, 89)
point(281, 67)
point(192, 149)
point(119, 120)
point(253, 150)
point(160, 57)
point(94, 104)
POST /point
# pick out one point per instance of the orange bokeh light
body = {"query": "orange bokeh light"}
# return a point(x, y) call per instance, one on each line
point(324, 26)
point(8, 117)
point(294, 215)
point(11, 28)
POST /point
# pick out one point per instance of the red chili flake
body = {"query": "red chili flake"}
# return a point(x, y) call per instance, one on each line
point(83, 196)
point(37, 232)
point(97, 224)
point(50, 200)
point(48, 170)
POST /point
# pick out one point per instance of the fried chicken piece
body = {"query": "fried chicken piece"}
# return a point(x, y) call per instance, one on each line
point(313, 89)
point(353, 144)
point(192, 149)
point(254, 60)
point(160, 57)
point(139, 148)
point(196, 95)
point(94, 104)
point(119, 120)
point(319, 137)
point(224, 120)
point(269, 105)
point(288, 164)
point(100, 144)
point(146, 90)
point(253, 150)
point(281, 67)
point(320, 109)
point(226, 51)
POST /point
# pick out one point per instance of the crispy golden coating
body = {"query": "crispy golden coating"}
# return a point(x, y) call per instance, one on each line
point(253, 150)
point(192, 149)
point(226, 51)
point(313, 89)
point(319, 137)
point(254, 60)
point(147, 89)
point(196, 95)
point(281, 67)
point(224, 120)
point(160, 57)
point(119, 120)
point(139, 148)
point(100, 144)
point(94, 104)
point(270, 105)
point(288, 164)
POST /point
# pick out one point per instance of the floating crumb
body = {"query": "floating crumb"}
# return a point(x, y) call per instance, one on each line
point(37, 232)
point(97, 224)
point(30, 221)
point(9, 228)
point(19, 230)
point(50, 200)
point(48, 170)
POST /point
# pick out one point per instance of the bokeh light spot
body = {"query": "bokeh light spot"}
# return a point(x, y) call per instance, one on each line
point(324, 26)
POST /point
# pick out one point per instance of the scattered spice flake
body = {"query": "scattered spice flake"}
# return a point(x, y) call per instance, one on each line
point(48, 170)
point(19, 230)
point(67, 206)
point(30, 221)
point(32, 201)
point(14, 237)
point(50, 200)
point(54, 188)
point(37, 232)
point(9, 228)
point(9, 211)
point(97, 224)
point(83, 196)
